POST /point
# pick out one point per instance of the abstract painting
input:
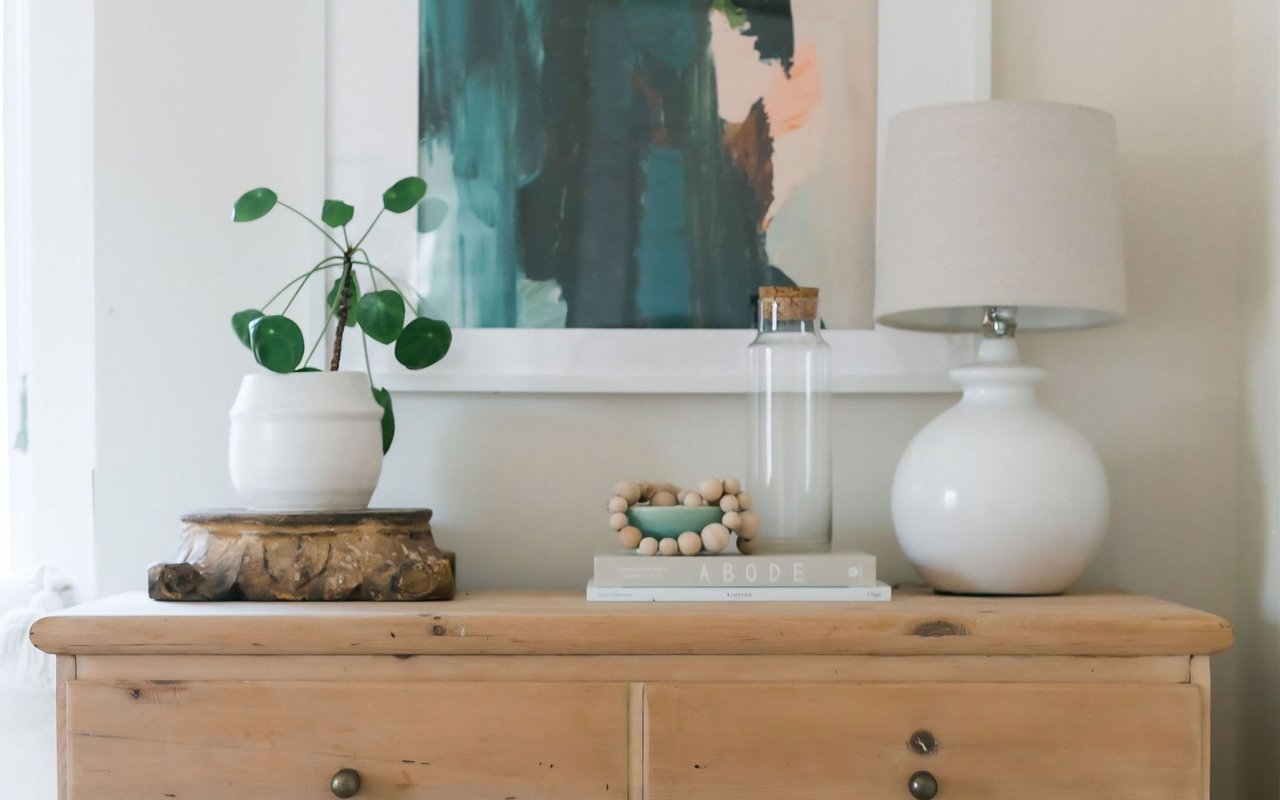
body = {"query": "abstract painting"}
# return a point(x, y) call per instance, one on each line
point(644, 163)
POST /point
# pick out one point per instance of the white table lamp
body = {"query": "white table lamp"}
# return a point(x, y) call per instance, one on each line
point(1000, 216)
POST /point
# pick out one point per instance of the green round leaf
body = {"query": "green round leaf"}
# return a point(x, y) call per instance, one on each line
point(307, 369)
point(381, 315)
point(336, 213)
point(240, 323)
point(423, 342)
point(383, 398)
point(253, 204)
point(276, 342)
point(404, 194)
point(431, 214)
point(331, 299)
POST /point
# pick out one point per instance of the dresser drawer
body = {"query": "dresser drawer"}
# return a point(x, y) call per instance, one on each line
point(265, 740)
point(993, 742)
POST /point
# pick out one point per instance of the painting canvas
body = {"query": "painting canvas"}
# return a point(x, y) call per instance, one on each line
point(644, 163)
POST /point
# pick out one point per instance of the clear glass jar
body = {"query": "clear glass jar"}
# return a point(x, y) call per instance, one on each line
point(790, 471)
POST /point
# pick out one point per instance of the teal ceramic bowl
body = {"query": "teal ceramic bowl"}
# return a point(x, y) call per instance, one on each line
point(668, 522)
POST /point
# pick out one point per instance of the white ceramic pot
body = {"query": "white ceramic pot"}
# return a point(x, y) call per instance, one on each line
point(997, 495)
point(306, 441)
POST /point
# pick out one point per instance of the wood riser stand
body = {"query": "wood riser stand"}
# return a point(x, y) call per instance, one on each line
point(358, 555)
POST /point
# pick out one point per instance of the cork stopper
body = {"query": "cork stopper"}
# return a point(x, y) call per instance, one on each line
point(789, 302)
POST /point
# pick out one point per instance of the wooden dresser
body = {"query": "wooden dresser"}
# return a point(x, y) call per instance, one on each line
point(522, 696)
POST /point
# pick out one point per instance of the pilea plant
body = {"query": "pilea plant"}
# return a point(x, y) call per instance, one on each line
point(277, 342)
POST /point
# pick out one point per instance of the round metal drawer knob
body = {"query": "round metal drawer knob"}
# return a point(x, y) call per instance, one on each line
point(346, 783)
point(922, 786)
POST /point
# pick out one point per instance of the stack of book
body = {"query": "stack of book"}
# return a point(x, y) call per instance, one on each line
point(622, 576)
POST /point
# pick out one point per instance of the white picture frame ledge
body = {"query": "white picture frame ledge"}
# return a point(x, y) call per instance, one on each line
point(930, 51)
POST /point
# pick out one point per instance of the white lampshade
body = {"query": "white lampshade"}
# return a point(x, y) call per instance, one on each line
point(1000, 203)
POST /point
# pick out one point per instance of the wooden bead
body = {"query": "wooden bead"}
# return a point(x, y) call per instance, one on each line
point(694, 499)
point(744, 501)
point(630, 537)
point(749, 524)
point(648, 546)
point(668, 547)
point(618, 521)
point(732, 520)
point(715, 537)
point(617, 504)
point(663, 498)
point(690, 543)
point(747, 546)
point(728, 503)
point(711, 489)
point(732, 486)
point(646, 490)
point(749, 536)
point(680, 495)
point(628, 489)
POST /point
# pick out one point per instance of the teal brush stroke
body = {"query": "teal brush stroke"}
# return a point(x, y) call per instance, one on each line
point(662, 257)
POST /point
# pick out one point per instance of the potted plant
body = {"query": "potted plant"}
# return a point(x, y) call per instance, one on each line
point(306, 438)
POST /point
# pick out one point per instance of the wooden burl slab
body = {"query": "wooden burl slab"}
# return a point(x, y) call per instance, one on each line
point(347, 555)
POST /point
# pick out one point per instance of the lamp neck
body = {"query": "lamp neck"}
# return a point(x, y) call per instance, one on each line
point(998, 351)
point(998, 376)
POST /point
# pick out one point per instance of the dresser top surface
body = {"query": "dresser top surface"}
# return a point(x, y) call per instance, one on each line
point(915, 622)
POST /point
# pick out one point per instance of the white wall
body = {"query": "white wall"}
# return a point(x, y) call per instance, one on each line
point(49, 308)
point(518, 481)
point(187, 118)
point(1258, 616)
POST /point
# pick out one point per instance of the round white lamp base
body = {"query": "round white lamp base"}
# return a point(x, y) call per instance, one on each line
point(997, 495)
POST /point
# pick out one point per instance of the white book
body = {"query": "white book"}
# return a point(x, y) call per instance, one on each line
point(737, 594)
point(628, 568)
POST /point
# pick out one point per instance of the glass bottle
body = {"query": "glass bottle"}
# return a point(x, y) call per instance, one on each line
point(790, 471)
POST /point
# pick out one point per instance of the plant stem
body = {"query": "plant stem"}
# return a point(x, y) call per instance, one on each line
point(368, 370)
point(328, 317)
point(412, 308)
point(368, 229)
point(344, 308)
point(295, 294)
point(313, 223)
point(302, 277)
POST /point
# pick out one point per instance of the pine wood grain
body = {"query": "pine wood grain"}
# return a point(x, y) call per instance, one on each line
point(718, 669)
point(1089, 697)
point(285, 740)
point(635, 742)
point(807, 742)
point(1200, 679)
point(562, 623)
point(64, 673)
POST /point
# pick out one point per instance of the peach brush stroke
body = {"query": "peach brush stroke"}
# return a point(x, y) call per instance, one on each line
point(790, 102)
point(797, 125)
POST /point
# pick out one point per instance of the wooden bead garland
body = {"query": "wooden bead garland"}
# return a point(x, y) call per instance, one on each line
point(630, 537)
point(690, 543)
point(714, 538)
